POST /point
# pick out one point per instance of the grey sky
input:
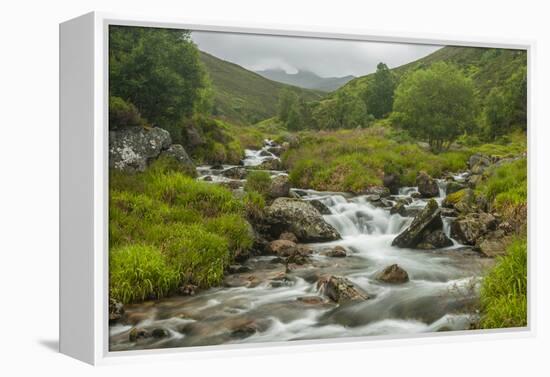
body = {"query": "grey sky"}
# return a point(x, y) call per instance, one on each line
point(325, 57)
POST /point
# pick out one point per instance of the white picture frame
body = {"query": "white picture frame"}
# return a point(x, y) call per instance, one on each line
point(84, 190)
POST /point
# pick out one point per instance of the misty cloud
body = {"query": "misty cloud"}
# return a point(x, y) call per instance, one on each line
point(325, 57)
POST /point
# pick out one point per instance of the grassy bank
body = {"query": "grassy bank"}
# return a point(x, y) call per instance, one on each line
point(167, 230)
point(503, 295)
point(352, 160)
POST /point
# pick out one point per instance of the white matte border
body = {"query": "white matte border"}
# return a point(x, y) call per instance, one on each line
point(101, 331)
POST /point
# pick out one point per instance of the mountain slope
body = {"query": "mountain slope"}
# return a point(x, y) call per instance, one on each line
point(306, 79)
point(487, 67)
point(243, 96)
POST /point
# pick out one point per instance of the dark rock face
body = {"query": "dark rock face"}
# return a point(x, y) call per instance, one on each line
point(393, 274)
point(136, 334)
point(427, 186)
point(340, 290)
point(435, 240)
point(399, 208)
point(300, 218)
point(159, 333)
point(116, 311)
point(130, 149)
point(236, 172)
point(427, 221)
point(392, 182)
point(320, 206)
point(453, 187)
point(280, 187)
point(335, 252)
point(467, 229)
point(288, 236)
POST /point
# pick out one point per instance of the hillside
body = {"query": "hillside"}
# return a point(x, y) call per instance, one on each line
point(488, 68)
point(243, 96)
point(306, 79)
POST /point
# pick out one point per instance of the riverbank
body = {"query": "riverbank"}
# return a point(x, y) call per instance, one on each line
point(289, 285)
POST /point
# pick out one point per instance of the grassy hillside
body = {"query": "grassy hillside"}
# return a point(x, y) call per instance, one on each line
point(487, 68)
point(243, 96)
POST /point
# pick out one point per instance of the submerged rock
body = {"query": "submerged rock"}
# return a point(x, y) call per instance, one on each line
point(340, 290)
point(393, 274)
point(136, 334)
point(427, 186)
point(399, 208)
point(300, 218)
point(159, 333)
point(282, 248)
point(235, 172)
point(131, 149)
point(426, 222)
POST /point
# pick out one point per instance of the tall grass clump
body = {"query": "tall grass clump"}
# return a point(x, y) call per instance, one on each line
point(258, 181)
point(503, 295)
point(507, 184)
point(139, 272)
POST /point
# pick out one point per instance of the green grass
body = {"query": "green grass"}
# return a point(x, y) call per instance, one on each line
point(258, 181)
point(506, 185)
point(352, 160)
point(503, 293)
point(139, 272)
point(195, 228)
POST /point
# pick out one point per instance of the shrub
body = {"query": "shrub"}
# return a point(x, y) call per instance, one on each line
point(254, 205)
point(139, 272)
point(123, 114)
point(258, 181)
point(503, 293)
point(507, 184)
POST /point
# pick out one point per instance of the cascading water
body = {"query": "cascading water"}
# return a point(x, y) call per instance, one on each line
point(437, 297)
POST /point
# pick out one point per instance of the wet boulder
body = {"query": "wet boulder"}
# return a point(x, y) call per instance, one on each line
point(288, 236)
point(469, 228)
point(159, 333)
point(399, 208)
point(300, 218)
point(320, 206)
point(335, 252)
point(116, 311)
point(282, 248)
point(478, 163)
point(427, 186)
point(393, 274)
point(236, 172)
point(465, 201)
point(280, 187)
point(340, 290)
point(392, 182)
point(425, 222)
point(376, 191)
point(270, 164)
point(453, 187)
point(131, 149)
point(177, 153)
point(138, 333)
point(434, 240)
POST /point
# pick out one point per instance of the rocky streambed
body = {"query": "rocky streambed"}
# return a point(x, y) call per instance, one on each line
point(332, 265)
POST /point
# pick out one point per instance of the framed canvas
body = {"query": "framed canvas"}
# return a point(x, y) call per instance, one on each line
point(233, 187)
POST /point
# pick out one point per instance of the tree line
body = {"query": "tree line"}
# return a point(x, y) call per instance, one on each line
point(437, 104)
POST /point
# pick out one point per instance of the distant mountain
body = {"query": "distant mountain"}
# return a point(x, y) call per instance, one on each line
point(243, 96)
point(306, 79)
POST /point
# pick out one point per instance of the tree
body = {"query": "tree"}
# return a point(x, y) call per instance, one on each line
point(379, 92)
point(287, 99)
point(159, 72)
point(497, 113)
point(436, 104)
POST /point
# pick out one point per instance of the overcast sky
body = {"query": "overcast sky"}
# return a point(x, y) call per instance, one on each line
point(325, 57)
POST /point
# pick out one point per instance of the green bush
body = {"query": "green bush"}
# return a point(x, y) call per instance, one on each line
point(258, 181)
point(123, 114)
point(235, 230)
point(254, 205)
point(503, 293)
point(139, 272)
point(507, 184)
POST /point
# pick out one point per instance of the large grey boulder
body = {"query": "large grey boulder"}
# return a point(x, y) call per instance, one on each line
point(471, 227)
point(280, 187)
point(427, 186)
point(130, 149)
point(419, 233)
point(300, 218)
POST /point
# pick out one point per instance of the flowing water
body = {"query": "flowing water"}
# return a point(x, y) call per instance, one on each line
point(265, 304)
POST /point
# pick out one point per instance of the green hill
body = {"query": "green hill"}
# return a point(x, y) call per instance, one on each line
point(245, 97)
point(487, 67)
